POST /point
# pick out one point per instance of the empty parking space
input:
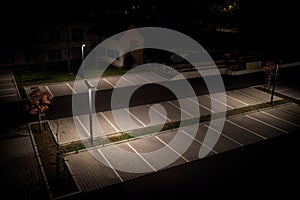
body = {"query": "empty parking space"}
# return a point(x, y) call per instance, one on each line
point(156, 159)
point(8, 88)
point(59, 89)
point(257, 94)
point(90, 174)
point(146, 153)
point(274, 121)
point(292, 109)
point(240, 134)
point(124, 156)
point(257, 126)
point(242, 98)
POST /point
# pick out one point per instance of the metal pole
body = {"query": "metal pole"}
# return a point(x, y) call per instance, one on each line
point(90, 89)
point(90, 114)
point(82, 58)
point(273, 89)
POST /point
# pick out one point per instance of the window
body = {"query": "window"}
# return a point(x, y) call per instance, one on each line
point(54, 35)
point(76, 53)
point(7, 57)
point(77, 34)
point(31, 56)
point(54, 54)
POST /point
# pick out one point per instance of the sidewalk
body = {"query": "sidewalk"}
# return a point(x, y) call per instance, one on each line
point(20, 172)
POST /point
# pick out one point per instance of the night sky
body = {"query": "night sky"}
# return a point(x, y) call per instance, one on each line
point(274, 23)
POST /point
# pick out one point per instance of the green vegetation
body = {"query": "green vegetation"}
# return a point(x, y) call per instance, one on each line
point(58, 176)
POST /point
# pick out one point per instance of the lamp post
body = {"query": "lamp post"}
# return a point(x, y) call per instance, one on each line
point(82, 58)
point(273, 89)
point(90, 88)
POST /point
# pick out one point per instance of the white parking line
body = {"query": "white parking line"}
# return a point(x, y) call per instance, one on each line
point(180, 109)
point(201, 105)
point(8, 95)
point(219, 101)
point(109, 122)
point(237, 100)
point(127, 80)
point(289, 88)
point(280, 119)
point(247, 95)
point(144, 125)
point(141, 157)
point(71, 88)
point(106, 160)
point(82, 125)
point(49, 90)
point(289, 112)
point(198, 141)
point(181, 156)
point(109, 83)
point(5, 89)
point(248, 130)
point(141, 77)
point(284, 131)
point(229, 138)
point(92, 85)
point(151, 107)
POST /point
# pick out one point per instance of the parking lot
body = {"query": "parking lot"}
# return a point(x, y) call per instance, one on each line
point(66, 130)
point(9, 92)
point(240, 130)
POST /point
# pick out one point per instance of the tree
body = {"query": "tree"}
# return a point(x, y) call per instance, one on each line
point(38, 103)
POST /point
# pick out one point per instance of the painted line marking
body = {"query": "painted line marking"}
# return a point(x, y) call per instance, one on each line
point(248, 130)
point(160, 77)
point(229, 138)
point(247, 95)
point(180, 109)
point(201, 105)
point(290, 88)
point(198, 141)
point(284, 131)
point(141, 77)
point(289, 112)
point(4, 89)
point(181, 156)
point(46, 86)
point(235, 99)
point(71, 88)
point(9, 95)
point(280, 119)
point(151, 107)
point(141, 157)
point(82, 125)
point(109, 83)
point(102, 114)
point(127, 80)
point(92, 85)
point(106, 160)
point(135, 117)
point(219, 101)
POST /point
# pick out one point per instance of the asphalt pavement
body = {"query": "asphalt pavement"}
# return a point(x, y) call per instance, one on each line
point(262, 168)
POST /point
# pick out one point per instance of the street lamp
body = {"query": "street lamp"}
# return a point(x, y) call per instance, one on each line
point(90, 88)
point(82, 58)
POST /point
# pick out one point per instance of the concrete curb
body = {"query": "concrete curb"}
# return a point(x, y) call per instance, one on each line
point(40, 162)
